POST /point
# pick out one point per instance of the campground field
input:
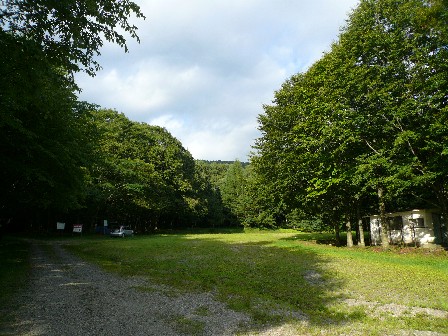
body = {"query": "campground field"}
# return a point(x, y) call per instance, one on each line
point(285, 278)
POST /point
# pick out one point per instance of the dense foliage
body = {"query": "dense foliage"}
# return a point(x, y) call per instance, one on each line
point(45, 147)
point(40, 144)
point(367, 120)
point(70, 32)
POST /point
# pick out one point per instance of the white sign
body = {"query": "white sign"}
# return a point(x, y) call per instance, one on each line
point(60, 226)
point(77, 228)
point(105, 223)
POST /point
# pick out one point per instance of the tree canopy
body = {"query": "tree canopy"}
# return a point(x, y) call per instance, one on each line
point(71, 32)
point(41, 151)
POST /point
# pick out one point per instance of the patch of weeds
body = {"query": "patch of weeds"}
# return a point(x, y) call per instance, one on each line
point(260, 311)
point(341, 315)
point(357, 313)
point(425, 322)
point(355, 321)
point(265, 318)
point(338, 315)
point(269, 311)
point(202, 311)
point(189, 326)
point(241, 303)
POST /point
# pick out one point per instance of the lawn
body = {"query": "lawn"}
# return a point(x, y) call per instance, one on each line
point(290, 278)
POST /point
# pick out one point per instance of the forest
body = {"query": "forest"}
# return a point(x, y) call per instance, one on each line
point(364, 130)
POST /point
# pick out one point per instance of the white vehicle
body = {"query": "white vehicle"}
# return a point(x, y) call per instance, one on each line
point(121, 231)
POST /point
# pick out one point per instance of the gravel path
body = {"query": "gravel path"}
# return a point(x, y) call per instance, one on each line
point(68, 296)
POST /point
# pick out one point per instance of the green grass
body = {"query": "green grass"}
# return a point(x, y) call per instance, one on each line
point(268, 274)
point(14, 271)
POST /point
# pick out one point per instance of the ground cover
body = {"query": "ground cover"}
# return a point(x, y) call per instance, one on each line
point(288, 278)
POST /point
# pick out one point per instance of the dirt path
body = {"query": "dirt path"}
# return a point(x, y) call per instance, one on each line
point(68, 296)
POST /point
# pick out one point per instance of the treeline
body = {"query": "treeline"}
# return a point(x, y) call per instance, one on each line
point(69, 161)
point(364, 130)
point(90, 164)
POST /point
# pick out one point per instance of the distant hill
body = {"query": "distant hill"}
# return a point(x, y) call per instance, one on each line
point(244, 164)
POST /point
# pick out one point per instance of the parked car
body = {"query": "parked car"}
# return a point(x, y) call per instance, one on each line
point(121, 231)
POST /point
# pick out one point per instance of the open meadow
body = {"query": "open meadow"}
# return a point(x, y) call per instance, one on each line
point(288, 279)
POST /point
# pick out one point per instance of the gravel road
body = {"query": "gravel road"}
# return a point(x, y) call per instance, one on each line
point(68, 296)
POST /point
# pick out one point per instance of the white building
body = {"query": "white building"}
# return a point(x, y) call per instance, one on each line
point(419, 227)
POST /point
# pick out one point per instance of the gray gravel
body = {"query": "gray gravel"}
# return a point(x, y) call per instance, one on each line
point(68, 296)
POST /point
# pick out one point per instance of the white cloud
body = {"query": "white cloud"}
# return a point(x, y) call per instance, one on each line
point(168, 122)
point(222, 146)
point(205, 68)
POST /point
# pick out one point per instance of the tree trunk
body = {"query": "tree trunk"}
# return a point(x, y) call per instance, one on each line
point(360, 228)
point(348, 225)
point(361, 233)
point(337, 234)
point(383, 220)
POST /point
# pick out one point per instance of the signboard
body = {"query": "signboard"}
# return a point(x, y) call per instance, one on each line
point(60, 226)
point(77, 228)
point(105, 223)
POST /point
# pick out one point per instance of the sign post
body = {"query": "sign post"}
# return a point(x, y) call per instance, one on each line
point(77, 228)
point(60, 227)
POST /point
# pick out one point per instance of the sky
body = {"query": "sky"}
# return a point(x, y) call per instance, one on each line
point(205, 68)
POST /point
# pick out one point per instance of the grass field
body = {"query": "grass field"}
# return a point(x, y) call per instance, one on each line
point(290, 278)
point(287, 277)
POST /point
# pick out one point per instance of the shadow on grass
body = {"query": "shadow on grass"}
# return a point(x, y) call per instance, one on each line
point(325, 238)
point(14, 271)
point(319, 238)
point(198, 230)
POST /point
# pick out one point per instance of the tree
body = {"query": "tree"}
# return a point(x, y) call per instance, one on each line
point(303, 156)
point(43, 152)
point(207, 177)
point(70, 32)
point(232, 188)
point(41, 148)
point(143, 176)
point(258, 206)
point(395, 56)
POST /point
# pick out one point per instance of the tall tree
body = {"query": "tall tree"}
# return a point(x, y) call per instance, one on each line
point(207, 177)
point(42, 43)
point(232, 189)
point(395, 57)
point(41, 149)
point(305, 158)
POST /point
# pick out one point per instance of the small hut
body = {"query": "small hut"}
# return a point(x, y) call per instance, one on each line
point(419, 227)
